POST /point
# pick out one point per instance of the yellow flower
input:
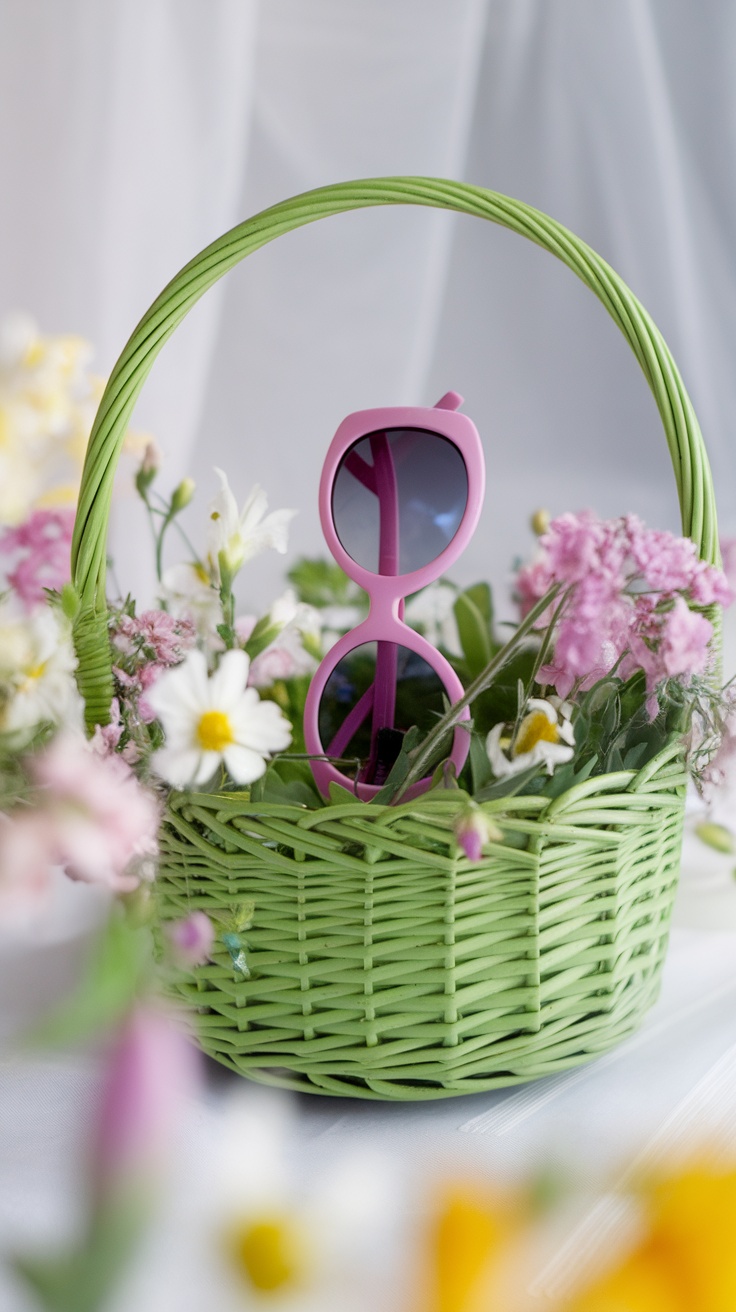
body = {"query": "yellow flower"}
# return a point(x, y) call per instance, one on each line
point(469, 1239)
point(686, 1259)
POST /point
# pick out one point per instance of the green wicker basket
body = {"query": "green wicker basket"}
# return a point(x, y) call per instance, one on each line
point(379, 962)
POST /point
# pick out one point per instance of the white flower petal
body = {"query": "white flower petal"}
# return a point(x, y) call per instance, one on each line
point(253, 510)
point(184, 768)
point(177, 767)
point(181, 691)
point(243, 764)
point(567, 732)
point(261, 725)
point(227, 684)
point(541, 704)
point(547, 754)
point(500, 764)
point(285, 608)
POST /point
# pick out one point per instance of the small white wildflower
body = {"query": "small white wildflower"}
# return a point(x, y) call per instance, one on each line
point(546, 737)
point(236, 537)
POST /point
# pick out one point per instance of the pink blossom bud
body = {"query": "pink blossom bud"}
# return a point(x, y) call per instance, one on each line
point(151, 462)
point(152, 1069)
point(473, 830)
point(191, 939)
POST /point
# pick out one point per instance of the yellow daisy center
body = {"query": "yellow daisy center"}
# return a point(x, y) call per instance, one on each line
point(214, 731)
point(535, 728)
point(268, 1252)
point(32, 674)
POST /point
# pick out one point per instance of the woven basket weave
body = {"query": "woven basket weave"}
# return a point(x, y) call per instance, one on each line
point(379, 962)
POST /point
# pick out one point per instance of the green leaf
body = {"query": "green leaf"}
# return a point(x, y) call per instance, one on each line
point(339, 795)
point(481, 596)
point(475, 639)
point(115, 973)
point(400, 767)
point(480, 766)
point(567, 776)
point(287, 781)
point(70, 601)
point(444, 777)
point(509, 786)
point(322, 583)
point(264, 633)
point(636, 757)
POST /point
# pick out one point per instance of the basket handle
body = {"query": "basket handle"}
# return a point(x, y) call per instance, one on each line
point(689, 459)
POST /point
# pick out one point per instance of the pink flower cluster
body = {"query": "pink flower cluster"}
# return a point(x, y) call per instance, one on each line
point(41, 547)
point(148, 643)
point(90, 816)
point(158, 636)
point(630, 591)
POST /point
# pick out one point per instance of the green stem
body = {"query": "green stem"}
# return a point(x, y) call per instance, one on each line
point(160, 544)
point(426, 751)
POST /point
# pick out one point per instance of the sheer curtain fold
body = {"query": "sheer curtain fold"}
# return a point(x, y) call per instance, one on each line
point(133, 133)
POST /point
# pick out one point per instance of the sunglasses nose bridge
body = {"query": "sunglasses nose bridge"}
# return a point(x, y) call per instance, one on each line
point(385, 603)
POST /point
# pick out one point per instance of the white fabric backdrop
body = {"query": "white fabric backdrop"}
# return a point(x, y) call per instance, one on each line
point(133, 133)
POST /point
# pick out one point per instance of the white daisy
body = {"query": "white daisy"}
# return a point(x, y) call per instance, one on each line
point(37, 664)
point(237, 537)
point(209, 721)
point(546, 737)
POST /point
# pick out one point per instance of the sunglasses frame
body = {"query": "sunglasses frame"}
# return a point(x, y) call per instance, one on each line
point(387, 592)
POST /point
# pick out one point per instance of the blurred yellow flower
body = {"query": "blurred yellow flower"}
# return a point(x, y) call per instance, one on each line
point(468, 1243)
point(48, 400)
point(685, 1259)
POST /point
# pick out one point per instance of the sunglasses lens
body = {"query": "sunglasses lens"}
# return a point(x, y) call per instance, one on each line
point(346, 712)
point(398, 499)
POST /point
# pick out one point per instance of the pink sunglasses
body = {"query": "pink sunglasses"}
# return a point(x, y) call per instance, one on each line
point(400, 497)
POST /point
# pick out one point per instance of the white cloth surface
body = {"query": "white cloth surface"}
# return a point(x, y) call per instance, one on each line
point(669, 1082)
point(134, 132)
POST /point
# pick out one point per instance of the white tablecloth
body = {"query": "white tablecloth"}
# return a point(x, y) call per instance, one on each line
point(675, 1077)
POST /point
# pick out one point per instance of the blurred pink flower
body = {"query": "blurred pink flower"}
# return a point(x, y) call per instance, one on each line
point(276, 662)
point(148, 675)
point(191, 939)
point(44, 544)
point(710, 586)
point(164, 638)
point(153, 1069)
point(27, 853)
point(106, 737)
point(244, 626)
point(572, 545)
point(665, 562)
point(531, 583)
point(684, 648)
point(103, 819)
